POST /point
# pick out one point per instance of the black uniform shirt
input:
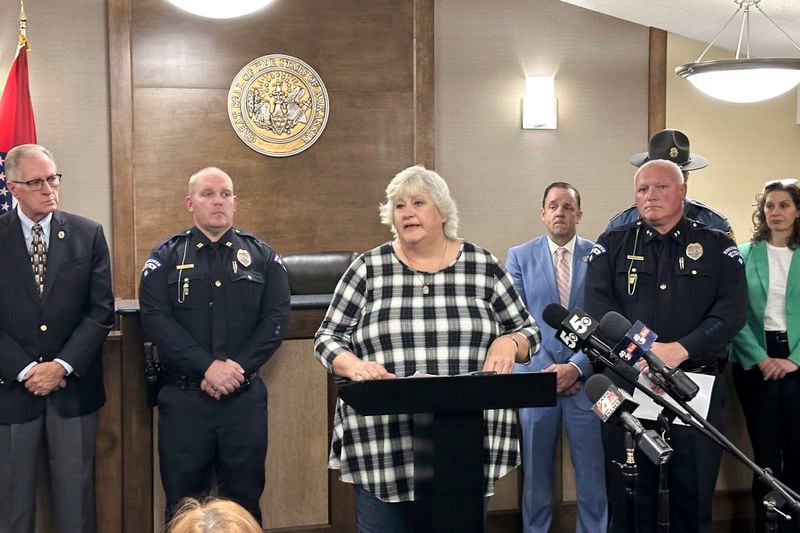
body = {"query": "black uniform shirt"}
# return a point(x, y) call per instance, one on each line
point(688, 285)
point(202, 301)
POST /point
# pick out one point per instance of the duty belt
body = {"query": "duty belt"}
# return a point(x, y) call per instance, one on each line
point(184, 382)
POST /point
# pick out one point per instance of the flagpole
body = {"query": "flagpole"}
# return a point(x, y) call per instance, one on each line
point(23, 28)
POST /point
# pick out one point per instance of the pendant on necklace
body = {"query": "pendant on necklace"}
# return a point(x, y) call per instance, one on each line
point(425, 289)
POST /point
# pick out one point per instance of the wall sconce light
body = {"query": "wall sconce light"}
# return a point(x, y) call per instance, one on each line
point(539, 104)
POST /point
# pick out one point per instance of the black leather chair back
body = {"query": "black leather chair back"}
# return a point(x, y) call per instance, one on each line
point(313, 276)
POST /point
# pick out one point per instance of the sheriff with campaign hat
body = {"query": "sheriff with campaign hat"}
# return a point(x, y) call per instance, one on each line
point(673, 145)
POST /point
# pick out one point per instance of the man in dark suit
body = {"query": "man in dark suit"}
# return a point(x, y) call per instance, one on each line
point(56, 308)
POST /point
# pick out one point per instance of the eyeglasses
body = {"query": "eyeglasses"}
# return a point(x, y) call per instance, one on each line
point(785, 182)
point(37, 184)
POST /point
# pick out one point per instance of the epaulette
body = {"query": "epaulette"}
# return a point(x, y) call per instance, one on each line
point(243, 233)
point(255, 239)
point(621, 213)
point(174, 238)
point(703, 206)
point(626, 227)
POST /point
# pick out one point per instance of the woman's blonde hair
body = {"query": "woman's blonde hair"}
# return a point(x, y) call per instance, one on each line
point(415, 180)
point(212, 515)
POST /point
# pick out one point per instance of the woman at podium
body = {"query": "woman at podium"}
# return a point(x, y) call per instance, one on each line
point(425, 302)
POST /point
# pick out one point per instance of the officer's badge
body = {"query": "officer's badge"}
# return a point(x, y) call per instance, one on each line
point(243, 256)
point(694, 251)
point(673, 152)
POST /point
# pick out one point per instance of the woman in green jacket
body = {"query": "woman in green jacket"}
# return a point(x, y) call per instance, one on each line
point(766, 352)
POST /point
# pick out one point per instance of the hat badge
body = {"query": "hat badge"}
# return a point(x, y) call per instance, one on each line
point(673, 152)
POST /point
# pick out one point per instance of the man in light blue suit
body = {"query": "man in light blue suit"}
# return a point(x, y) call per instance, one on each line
point(552, 268)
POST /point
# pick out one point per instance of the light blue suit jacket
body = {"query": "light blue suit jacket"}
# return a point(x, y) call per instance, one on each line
point(531, 266)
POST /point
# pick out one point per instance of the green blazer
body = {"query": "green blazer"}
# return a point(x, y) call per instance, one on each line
point(749, 345)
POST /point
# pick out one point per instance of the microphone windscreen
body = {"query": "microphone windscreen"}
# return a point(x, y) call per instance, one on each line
point(554, 314)
point(596, 386)
point(614, 326)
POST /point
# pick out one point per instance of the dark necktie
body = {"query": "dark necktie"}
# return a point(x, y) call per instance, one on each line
point(38, 257)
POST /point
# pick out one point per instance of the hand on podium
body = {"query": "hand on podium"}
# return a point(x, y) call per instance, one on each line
point(348, 365)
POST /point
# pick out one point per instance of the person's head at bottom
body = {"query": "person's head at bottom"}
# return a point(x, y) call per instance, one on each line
point(212, 515)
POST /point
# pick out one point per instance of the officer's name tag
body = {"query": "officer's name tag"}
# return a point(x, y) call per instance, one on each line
point(184, 267)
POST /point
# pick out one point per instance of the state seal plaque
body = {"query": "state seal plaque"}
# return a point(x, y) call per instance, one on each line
point(278, 105)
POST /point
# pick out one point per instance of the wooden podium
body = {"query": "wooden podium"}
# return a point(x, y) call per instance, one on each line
point(448, 435)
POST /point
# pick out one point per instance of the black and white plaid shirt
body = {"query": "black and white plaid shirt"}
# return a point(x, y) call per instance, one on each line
point(380, 313)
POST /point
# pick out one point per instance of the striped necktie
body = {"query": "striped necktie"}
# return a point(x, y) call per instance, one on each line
point(38, 257)
point(562, 276)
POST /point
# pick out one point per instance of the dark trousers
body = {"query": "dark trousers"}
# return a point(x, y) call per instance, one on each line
point(200, 438)
point(376, 516)
point(693, 471)
point(70, 453)
point(772, 412)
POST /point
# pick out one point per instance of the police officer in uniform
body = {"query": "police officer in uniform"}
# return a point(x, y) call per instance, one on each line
point(673, 145)
point(685, 281)
point(216, 302)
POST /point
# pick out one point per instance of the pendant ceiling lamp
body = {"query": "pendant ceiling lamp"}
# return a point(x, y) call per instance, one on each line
point(218, 9)
point(743, 79)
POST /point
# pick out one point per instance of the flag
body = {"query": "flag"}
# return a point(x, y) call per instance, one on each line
point(16, 112)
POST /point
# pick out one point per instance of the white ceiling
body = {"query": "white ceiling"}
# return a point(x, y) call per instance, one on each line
point(702, 19)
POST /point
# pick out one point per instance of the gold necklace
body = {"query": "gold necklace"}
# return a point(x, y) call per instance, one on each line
point(423, 276)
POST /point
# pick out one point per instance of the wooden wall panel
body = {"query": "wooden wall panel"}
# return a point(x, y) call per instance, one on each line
point(304, 202)
point(355, 45)
point(657, 82)
point(375, 58)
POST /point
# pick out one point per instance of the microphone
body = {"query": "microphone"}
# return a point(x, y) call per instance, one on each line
point(579, 331)
point(613, 404)
point(635, 342)
point(573, 328)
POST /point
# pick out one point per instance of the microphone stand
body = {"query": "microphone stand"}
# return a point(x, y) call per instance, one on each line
point(693, 419)
point(662, 516)
point(630, 475)
point(772, 503)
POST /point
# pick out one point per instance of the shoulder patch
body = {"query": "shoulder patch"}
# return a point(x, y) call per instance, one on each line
point(597, 250)
point(151, 264)
point(734, 253)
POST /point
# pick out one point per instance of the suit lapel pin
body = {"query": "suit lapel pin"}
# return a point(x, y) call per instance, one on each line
point(61, 234)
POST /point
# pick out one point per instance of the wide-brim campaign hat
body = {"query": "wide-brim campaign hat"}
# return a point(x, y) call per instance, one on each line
point(672, 145)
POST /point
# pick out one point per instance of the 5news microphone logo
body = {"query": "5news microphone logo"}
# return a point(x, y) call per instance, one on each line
point(578, 327)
